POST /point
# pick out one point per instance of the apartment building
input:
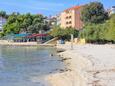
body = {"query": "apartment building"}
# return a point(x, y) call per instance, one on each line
point(71, 18)
point(2, 22)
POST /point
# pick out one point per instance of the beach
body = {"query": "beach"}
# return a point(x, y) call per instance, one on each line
point(86, 65)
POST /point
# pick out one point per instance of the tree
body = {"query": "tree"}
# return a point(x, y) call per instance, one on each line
point(3, 14)
point(97, 27)
point(94, 13)
point(57, 31)
point(101, 33)
point(63, 33)
point(12, 25)
point(28, 23)
point(38, 23)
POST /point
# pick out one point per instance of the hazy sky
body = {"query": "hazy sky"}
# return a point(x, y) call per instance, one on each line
point(46, 7)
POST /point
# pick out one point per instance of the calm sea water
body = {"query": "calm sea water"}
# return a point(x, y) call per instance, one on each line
point(27, 66)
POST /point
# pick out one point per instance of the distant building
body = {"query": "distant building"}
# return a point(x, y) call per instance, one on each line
point(51, 20)
point(2, 22)
point(58, 20)
point(70, 18)
point(112, 10)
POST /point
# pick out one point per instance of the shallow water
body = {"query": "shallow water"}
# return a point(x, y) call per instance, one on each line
point(27, 66)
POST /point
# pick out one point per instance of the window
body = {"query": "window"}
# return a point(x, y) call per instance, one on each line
point(69, 16)
point(70, 22)
point(66, 22)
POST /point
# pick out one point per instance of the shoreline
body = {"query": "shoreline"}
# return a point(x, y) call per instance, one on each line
point(8, 43)
point(74, 74)
point(96, 68)
point(85, 65)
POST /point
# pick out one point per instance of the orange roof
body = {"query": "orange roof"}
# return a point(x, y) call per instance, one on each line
point(73, 8)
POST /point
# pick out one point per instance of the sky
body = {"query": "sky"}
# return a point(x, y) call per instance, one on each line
point(45, 7)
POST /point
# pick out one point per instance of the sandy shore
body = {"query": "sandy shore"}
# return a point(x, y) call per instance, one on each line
point(87, 65)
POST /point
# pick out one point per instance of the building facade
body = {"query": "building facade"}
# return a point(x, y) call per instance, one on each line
point(112, 10)
point(2, 22)
point(58, 20)
point(71, 18)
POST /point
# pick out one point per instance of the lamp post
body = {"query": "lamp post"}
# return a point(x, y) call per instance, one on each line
point(72, 41)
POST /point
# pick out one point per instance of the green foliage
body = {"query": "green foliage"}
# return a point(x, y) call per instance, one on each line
point(94, 13)
point(57, 32)
point(28, 23)
point(63, 33)
point(12, 25)
point(1, 34)
point(98, 28)
point(110, 33)
point(93, 32)
point(100, 32)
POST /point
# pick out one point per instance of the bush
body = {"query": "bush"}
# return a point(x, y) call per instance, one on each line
point(110, 33)
point(94, 33)
point(100, 32)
